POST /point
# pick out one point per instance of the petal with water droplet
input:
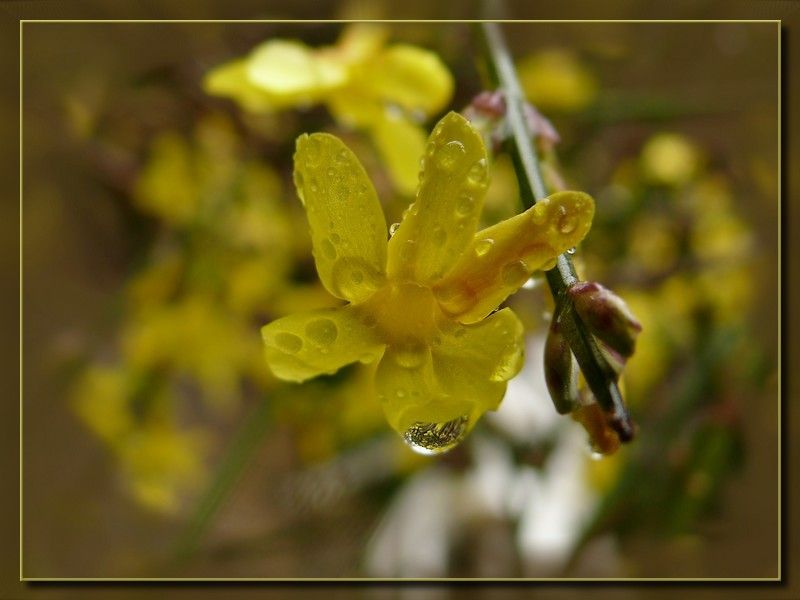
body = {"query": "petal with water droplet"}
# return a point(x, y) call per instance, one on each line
point(450, 195)
point(522, 244)
point(474, 362)
point(304, 345)
point(342, 207)
point(409, 391)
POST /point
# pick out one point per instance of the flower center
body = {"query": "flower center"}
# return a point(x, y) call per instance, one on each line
point(405, 312)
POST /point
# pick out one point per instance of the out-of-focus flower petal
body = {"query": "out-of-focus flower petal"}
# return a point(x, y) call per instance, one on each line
point(440, 224)
point(360, 41)
point(348, 229)
point(291, 72)
point(502, 257)
point(304, 345)
point(400, 143)
point(554, 80)
point(410, 77)
point(231, 80)
point(354, 106)
point(167, 188)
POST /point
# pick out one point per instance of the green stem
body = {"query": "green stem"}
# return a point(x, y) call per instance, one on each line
point(599, 376)
point(240, 452)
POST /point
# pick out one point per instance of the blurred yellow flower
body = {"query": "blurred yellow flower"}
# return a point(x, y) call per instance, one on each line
point(197, 337)
point(556, 81)
point(384, 90)
point(419, 305)
point(669, 159)
point(161, 463)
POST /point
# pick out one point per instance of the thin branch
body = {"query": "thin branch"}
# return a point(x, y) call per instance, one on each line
point(599, 375)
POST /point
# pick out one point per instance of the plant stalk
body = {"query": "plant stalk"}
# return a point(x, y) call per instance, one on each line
point(599, 375)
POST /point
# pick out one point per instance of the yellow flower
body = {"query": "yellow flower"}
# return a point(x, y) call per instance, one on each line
point(422, 305)
point(385, 90)
point(669, 159)
point(555, 80)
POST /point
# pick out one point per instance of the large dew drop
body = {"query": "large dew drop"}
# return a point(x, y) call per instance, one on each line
point(436, 438)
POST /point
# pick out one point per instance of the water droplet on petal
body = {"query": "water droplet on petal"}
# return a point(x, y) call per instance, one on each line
point(448, 156)
point(539, 213)
point(571, 250)
point(466, 204)
point(454, 300)
point(328, 249)
point(478, 174)
point(567, 222)
point(515, 274)
point(288, 342)
point(393, 228)
point(509, 363)
point(354, 279)
point(435, 438)
point(483, 246)
point(322, 331)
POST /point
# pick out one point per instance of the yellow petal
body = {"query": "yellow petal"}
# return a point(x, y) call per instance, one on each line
point(400, 143)
point(348, 229)
point(360, 41)
point(168, 186)
point(462, 374)
point(502, 257)
point(412, 78)
point(410, 392)
point(230, 80)
point(353, 106)
point(304, 345)
point(475, 361)
point(440, 224)
point(292, 73)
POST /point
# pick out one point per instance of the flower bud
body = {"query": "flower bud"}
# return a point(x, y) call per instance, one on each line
point(606, 315)
point(487, 112)
point(559, 373)
point(602, 436)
